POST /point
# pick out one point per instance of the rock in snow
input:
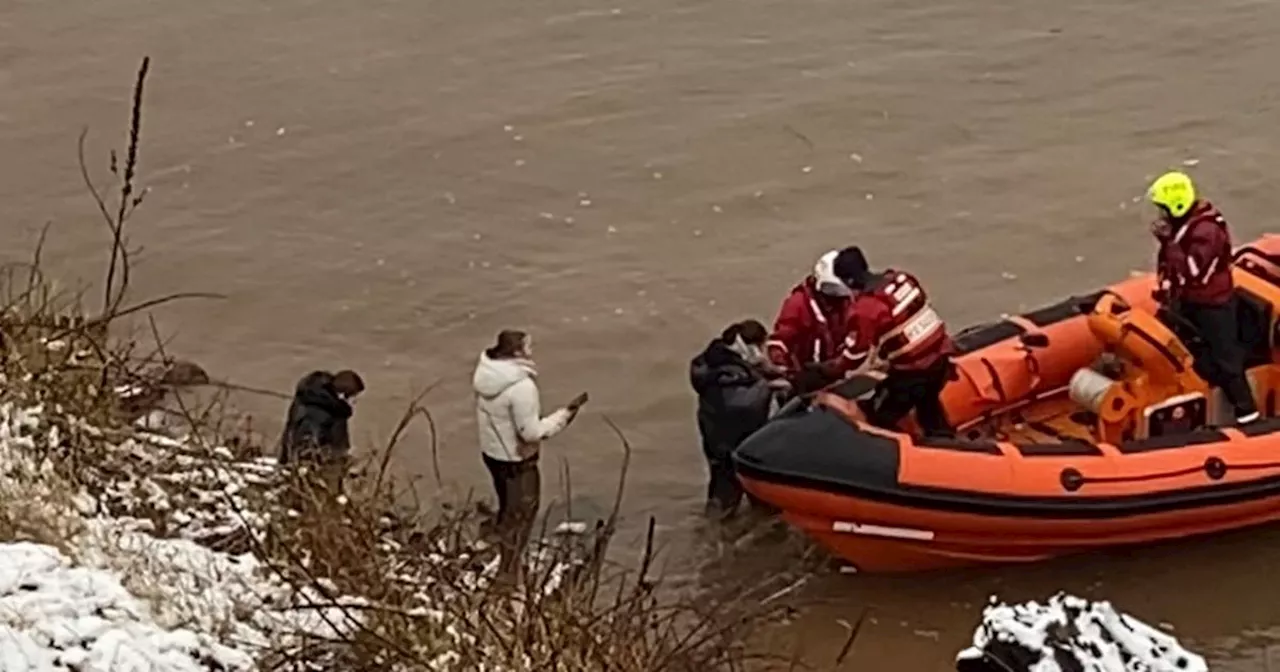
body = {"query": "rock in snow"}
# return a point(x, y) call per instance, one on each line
point(1071, 634)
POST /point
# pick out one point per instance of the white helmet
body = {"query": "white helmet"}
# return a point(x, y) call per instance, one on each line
point(824, 276)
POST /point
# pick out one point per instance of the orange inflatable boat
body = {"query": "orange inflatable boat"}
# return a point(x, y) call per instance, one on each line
point(1081, 425)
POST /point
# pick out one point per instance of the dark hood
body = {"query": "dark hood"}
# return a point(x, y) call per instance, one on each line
point(316, 390)
point(719, 366)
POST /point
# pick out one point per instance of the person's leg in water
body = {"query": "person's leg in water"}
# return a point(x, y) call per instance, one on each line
point(724, 493)
point(1224, 367)
point(497, 474)
point(759, 507)
point(524, 497)
point(505, 525)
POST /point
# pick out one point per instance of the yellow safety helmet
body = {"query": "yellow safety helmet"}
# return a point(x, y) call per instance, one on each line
point(1174, 192)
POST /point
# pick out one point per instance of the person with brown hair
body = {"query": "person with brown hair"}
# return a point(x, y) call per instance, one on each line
point(316, 425)
point(511, 431)
point(735, 392)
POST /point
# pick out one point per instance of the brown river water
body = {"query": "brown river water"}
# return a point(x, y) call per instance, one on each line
point(384, 184)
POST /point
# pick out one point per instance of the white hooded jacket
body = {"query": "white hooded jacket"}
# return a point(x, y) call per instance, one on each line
point(509, 409)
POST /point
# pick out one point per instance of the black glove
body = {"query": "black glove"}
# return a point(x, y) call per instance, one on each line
point(811, 377)
point(813, 368)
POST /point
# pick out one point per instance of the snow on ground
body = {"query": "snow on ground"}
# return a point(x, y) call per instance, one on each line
point(127, 579)
point(1071, 634)
point(54, 616)
point(111, 595)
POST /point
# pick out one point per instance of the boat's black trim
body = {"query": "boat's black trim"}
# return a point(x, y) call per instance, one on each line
point(988, 447)
point(1066, 448)
point(1260, 427)
point(823, 452)
point(1249, 249)
point(1251, 267)
point(980, 336)
point(1196, 438)
point(1063, 310)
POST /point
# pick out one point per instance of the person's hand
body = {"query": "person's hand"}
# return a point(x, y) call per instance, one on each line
point(1161, 230)
point(1163, 292)
point(770, 369)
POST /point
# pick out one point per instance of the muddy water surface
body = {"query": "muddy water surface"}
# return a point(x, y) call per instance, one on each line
point(384, 184)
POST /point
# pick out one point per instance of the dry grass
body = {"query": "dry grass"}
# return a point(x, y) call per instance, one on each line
point(422, 572)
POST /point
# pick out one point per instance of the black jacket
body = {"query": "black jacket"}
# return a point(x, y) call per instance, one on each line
point(733, 399)
point(317, 420)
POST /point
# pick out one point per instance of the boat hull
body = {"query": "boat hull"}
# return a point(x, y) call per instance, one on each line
point(888, 502)
point(875, 537)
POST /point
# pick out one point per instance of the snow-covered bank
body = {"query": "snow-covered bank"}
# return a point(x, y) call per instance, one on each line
point(103, 592)
point(54, 616)
point(1071, 634)
point(141, 560)
point(179, 549)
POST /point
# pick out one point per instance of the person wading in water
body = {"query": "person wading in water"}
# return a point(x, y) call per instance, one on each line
point(511, 431)
point(735, 393)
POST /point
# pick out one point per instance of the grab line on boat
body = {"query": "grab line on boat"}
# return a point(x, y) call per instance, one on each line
point(1214, 467)
point(882, 531)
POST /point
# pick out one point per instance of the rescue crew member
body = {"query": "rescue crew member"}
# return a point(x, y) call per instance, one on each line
point(1194, 271)
point(810, 328)
point(894, 327)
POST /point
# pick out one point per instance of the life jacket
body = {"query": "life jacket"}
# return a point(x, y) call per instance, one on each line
point(806, 332)
point(915, 336)
point(1205, 278)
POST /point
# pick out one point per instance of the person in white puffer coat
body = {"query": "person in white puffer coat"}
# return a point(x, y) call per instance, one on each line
point(511, 431)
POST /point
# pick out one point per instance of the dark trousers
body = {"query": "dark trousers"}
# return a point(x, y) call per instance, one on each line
point(904, 390)
point(519, 489)
point(1221, 362)
point(724, 490)
point(724, 493)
